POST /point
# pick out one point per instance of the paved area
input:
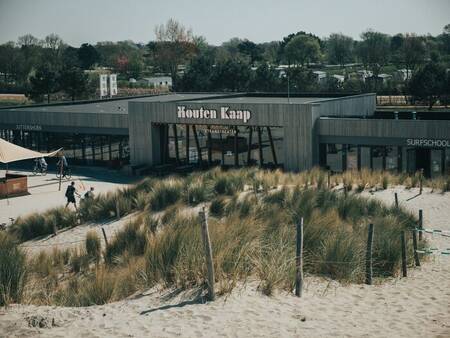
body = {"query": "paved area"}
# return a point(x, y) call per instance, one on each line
point(44, 193)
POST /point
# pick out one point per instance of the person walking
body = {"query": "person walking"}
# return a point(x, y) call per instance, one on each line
point(71, 191)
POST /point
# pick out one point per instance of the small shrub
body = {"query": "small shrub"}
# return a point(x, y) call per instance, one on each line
point(98, 289)
point(196, 192)
point(13, 272)
point(217, 206)
point(164, 194)
point(93, 245)
point(131, 240)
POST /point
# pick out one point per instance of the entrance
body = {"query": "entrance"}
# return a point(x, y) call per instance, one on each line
point(423, 157)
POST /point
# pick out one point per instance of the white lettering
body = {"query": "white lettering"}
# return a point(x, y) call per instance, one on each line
point(202, 113)
point(428, 143)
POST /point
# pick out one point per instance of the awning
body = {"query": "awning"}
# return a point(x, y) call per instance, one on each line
point(10, 152)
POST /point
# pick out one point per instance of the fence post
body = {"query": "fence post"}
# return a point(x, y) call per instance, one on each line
point(421, 181)
point(404, 268)
point(369, 270)
point(299, 260)
point(396, 200)
point(420, 224)
point(104, 236)
point(208, 254)
point(117, 210)
point(416, 254)
point(328, 179)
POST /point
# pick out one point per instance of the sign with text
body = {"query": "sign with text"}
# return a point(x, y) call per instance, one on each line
point(428, 143)
point(225, 113)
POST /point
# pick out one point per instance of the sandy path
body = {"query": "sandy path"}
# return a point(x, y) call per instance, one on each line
point(417, 306)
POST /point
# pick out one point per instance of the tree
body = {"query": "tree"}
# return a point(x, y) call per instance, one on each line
point(412, 52)
point(88, 56)
point(53, 49)
point(250, 49)
point(44, 82)
point(74, 82)
point(374, 50)
point(197, 77)
point(174, 46)
point(429, 83)
point(70, 57)
point(339, 49)
point(300, 80)
point(265, 79)
point(302, 49)
point(231, 75)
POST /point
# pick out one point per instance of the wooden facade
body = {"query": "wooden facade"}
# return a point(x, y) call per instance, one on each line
point(298, 120)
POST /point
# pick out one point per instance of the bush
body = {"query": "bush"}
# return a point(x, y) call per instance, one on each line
point(93, 245)
point(13, 272)
point(165, 193)
point(36, 225)
point(98, 289)
point(131, 240)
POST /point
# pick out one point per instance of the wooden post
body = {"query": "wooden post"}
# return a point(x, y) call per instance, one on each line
point(104, 236)
point(404, 268)
point(369, 269)
point(272, 146)
point(61, 165)
point(421, 181)
point(396, 200)
point(117, 210)
point(261, 159)
point(328, 179)
point(420, 224)
point(299, 260)
point(416, 254)
point(249, 150)
point(175, 135)
point(236, 147)
point(187, 143)
point(209, 138)
point(208, 254)
point(197, 144)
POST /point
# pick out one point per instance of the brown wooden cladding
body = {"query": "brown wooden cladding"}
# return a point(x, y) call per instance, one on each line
point(298, 120)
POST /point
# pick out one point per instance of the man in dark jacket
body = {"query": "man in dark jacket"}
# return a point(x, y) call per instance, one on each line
point(71, 191)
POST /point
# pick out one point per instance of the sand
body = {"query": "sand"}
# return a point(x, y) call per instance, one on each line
point(417, 306)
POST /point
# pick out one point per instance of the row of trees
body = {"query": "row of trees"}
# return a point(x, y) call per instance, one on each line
point(48, 65)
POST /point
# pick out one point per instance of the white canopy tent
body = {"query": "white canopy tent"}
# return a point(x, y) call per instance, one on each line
point(10, 152)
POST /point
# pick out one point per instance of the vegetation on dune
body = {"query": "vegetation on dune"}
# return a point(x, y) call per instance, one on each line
point(252, 227)
point(13, 272)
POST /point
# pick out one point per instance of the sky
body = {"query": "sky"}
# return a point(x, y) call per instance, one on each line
point(80, 21)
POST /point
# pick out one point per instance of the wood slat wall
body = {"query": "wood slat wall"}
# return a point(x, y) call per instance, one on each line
point(300, 142)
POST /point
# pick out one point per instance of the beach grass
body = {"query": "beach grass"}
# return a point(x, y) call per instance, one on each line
point(252, 219)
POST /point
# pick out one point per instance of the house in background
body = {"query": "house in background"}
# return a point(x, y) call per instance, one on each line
point(320, 76)
point(403, 74)
point(157, 81)
point(363, 74)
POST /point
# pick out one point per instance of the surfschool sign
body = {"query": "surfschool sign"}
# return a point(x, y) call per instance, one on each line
point(422, 142)
point(225, 113)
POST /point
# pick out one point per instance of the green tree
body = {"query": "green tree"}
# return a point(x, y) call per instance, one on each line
point(265, 79)
point(88, 56)
point(302, 49)
point(231, 75)
point(429, 83)
point(43, 82)
point(412, 52)
point(373, 50)
point(339, 49)
point(74, 82)
point(174, 46)
point(197, 76)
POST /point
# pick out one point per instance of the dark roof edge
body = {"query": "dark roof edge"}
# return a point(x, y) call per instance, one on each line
point(74, 103)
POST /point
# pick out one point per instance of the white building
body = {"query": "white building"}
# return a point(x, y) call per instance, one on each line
point(403, 74)
point(158, 81)
point(320, 76)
